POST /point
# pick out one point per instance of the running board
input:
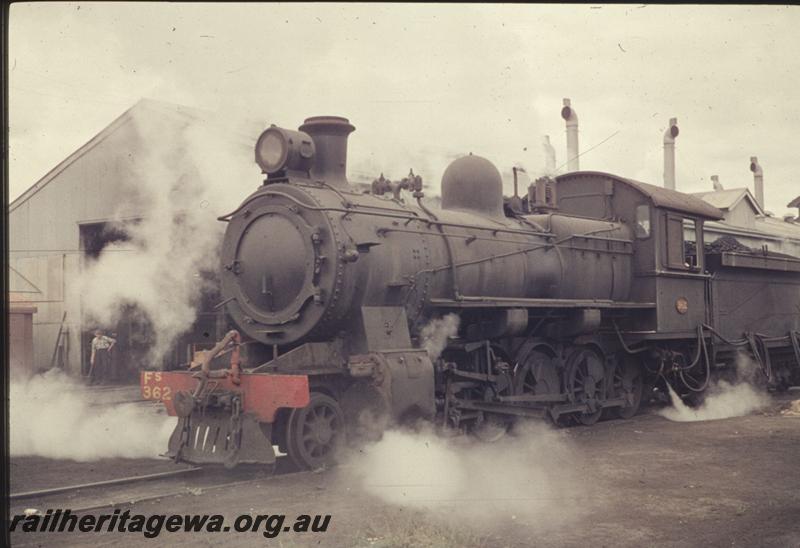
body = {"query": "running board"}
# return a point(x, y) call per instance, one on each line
point(534, 412)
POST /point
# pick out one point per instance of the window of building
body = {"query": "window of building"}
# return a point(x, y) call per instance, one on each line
point(95, 237)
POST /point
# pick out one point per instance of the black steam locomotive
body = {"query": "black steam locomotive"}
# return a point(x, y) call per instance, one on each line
point(360, 306)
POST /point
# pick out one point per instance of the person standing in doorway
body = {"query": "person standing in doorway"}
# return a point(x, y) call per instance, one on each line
point(100, 362)
point(112, 376)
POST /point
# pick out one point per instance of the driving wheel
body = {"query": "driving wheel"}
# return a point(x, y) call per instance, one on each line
point(586, 383)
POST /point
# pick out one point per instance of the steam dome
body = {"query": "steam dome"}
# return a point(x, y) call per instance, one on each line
point(474, 184)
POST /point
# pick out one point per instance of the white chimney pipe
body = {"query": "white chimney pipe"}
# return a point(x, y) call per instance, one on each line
point(669, 153)
point(549, 155)
point(758, 179)
point(568, 114)
point(716, 183)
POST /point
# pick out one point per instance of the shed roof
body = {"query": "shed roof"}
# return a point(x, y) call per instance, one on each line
point(729, 199)
point(165, 110)
point(661, 197)
point(794, 203)
point(779, 227)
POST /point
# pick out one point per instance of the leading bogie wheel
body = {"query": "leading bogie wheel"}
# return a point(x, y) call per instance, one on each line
point(315, 432)
point(490, 428)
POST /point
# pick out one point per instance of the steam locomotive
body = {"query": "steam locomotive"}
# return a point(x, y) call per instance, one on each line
point(568, 303)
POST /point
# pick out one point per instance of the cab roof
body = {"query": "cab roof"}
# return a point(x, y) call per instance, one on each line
point(659, 196)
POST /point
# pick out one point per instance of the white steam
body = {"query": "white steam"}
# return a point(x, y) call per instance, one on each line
point(435, 333)
point(792, 409)
point(723, 400)
point(51, 417)
point(190, 173)
point(527, 478)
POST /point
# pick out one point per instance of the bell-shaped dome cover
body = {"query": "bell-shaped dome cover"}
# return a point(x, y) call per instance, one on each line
point(474, 184)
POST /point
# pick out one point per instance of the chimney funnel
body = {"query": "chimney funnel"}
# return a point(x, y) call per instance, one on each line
point(329, 134)
point(549, 155)
point(569, 115)
point(716, 183)
point(669, 153)
point(758, 179)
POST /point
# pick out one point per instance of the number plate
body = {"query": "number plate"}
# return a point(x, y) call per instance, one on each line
point(154, 387)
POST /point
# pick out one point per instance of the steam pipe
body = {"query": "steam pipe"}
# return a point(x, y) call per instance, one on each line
point(669, 153)
point(758, 179)
point(570, 116)
point(715, 182)
point(549, 155)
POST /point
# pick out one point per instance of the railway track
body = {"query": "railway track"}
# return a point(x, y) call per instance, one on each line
point(106, 483)
point(131, 490)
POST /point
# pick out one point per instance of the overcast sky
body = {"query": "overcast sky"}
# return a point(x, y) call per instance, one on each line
point(425, 83)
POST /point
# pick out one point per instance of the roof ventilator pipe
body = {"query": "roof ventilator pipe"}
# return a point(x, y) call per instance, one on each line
point(571, 117)
point(758, 180)
point(669, 153)
point(549, 155)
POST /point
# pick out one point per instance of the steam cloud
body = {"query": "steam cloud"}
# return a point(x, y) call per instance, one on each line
point(723, 400)
point(525, 479)
point(51, 418)
point(185, 179)
point(435, 333)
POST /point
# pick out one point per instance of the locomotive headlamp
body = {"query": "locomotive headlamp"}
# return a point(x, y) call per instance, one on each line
point(281, 149)
point(682, 305)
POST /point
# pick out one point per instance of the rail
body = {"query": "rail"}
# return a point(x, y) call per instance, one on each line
point(106, 483)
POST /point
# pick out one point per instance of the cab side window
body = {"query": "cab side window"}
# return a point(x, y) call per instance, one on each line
point(642, 226)
point(690, 251)
point(682, 250)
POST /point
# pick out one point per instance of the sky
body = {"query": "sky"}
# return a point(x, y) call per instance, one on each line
point(424, 84)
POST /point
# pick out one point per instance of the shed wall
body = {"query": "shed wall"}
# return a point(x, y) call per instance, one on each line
point(44, 235)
